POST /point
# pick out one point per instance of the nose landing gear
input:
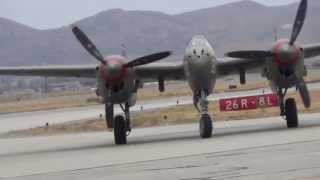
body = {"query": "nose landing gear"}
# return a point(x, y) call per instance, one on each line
point(205, 123)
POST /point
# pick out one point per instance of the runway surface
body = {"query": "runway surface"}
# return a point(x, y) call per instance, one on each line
point(249, 149)
point(9, 122)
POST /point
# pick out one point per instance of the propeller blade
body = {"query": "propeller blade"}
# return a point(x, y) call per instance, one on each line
point(249, 54)
point(87, 44)
point(299, 21)
point(148, 59)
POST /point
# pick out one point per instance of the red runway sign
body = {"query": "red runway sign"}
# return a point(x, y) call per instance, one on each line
point(249, 102)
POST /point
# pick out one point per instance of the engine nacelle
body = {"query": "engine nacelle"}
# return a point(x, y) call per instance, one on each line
point(242, 73)
point(161, 84)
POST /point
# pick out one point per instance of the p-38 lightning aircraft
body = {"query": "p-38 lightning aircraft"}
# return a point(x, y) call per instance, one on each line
point(119, 80)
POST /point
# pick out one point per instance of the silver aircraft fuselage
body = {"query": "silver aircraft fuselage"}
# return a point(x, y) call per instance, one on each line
point(199, 65)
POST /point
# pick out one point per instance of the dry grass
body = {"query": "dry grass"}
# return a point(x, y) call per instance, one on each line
point(65, 101)
point(27, 103)
point(169, 116)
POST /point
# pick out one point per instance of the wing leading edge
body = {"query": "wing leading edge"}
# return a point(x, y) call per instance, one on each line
point(148, 72)
point(168, 71)
point(226, 66)
point(311, 50)
point(51, 71)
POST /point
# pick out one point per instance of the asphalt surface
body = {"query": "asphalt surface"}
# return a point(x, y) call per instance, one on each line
point(11, 122)
point(249, 149)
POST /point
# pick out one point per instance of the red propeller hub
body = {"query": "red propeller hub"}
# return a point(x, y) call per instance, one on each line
point(285, 54)
point(114, 70)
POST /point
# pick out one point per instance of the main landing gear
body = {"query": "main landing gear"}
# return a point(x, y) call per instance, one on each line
point(205, 124)
point(121, 124)
point(205, 127)
point(288, 109)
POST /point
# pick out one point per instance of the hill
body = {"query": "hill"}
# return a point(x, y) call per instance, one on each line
point(240, 25)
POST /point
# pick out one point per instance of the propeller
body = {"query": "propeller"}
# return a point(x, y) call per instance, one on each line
point(91, 48)
point(148, 59)
point(299, 21)
point(298, 24)
point(87, 44)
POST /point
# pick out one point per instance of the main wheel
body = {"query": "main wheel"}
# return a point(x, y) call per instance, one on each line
point(291, 113)
point(206, 126)
point(120, 130)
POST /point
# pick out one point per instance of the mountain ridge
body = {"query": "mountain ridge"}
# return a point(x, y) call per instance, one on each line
point(240, 25)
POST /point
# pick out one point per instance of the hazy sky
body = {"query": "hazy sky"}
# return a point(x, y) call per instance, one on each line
point(44, 14)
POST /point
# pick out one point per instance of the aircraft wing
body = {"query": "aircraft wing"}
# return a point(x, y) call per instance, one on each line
point(167, 71)
point(147, 72)
point(88, 71)
point(311, 50)
point(226, 66)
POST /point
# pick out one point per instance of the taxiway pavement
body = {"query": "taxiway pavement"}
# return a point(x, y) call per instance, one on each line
point(248, 149)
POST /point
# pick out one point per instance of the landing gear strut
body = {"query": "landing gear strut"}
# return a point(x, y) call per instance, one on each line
point(288, 109)
point(205, 124)
point(126, 110)
point(109, 114)
point(121, 124)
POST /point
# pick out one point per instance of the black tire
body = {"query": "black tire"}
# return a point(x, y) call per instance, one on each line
point(291, 113)
point(206, 126)
point(120, 130)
